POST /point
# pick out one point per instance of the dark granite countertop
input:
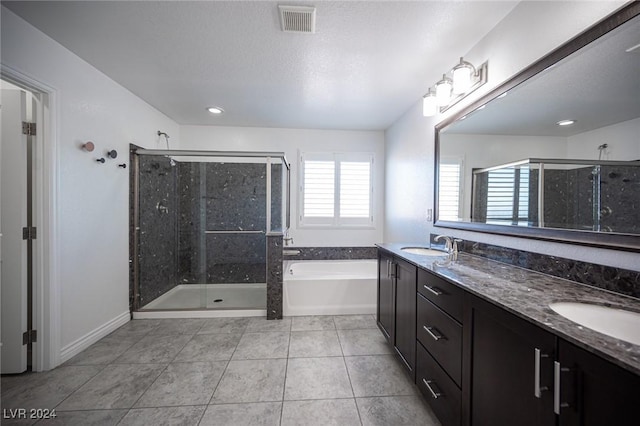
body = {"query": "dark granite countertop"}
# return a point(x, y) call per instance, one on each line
point(528, 294)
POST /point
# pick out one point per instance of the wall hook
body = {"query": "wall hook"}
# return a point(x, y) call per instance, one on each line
point(100, 160)
point(123, 165)
point(88, 146)
point(112, 154)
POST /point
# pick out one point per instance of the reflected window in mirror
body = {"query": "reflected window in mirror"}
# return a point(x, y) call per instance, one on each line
point(449, 176)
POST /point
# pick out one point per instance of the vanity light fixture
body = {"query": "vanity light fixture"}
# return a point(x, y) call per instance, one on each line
point(215, 110)
point(459, 82)
point(565, 122)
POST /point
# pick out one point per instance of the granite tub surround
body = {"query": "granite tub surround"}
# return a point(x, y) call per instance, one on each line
point(528, 294)
point(330, 253)
point(274, 276)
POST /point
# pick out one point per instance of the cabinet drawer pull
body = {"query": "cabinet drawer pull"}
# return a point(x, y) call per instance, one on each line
point(537, 389)
point(557, 370)
point(433, 332)
point(434, 290)
point(431, 385)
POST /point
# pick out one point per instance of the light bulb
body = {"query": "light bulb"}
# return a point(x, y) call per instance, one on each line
point(443, 91)
point(462, 74)
point(429, 105)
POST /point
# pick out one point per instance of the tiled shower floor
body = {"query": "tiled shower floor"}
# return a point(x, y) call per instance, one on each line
point(228, 371)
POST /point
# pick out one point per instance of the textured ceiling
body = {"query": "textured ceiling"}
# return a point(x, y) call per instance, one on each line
point(365, 66)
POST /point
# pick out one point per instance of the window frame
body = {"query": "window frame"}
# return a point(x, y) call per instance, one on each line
point(335, 221)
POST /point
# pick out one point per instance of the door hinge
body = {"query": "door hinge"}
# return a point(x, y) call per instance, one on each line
point(29, 337)
point(29, 233)
point(28, 129)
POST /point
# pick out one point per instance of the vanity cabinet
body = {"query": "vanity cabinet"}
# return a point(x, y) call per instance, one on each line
point(478, 364)
point(396, 313)
point(511, 372)
point(405, 344)
point(594, 391)
point(439, 347)
point(386, 296)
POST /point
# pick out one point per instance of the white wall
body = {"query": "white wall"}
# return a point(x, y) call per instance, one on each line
point(623, 140)
point(293, 141)
point(92, 205)
point(530, 31)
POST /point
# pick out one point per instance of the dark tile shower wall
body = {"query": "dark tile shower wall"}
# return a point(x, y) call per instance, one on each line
point(178, 204)
point(569, 198)
point(158, 235)
point(235, 200)
point(620, 199)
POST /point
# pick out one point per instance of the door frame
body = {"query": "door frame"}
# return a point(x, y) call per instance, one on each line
point(46, 282)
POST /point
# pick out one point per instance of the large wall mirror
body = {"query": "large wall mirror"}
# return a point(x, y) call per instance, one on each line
point(508, 165)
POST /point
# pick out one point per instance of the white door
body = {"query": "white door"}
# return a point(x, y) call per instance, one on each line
point(13, 217)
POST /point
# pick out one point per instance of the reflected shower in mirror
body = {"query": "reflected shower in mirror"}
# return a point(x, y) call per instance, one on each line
point(553, 153)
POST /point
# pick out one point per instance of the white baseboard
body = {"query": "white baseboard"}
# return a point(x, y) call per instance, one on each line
point(77, 346)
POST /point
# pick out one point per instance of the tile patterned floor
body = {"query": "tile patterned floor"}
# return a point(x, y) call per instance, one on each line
point(228, 371)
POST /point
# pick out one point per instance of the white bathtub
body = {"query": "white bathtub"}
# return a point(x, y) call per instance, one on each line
point(329, 287)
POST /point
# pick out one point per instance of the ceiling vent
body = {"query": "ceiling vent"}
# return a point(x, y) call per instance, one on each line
point(298, 19)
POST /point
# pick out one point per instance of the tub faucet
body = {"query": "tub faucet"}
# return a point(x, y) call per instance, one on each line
point(287, 239)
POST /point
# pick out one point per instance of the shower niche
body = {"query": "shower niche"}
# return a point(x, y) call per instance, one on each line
point(201, 222)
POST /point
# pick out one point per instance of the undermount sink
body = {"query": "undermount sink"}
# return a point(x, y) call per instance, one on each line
point(423, 251)
point(614, 322)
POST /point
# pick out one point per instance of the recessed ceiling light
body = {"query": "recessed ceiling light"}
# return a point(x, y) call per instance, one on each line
point(215, 110)
point(565, 122)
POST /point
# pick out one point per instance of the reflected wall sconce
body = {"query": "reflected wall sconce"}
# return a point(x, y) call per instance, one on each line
point(454, 86)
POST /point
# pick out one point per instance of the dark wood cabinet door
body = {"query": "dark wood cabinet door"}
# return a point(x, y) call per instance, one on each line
point(503, 369)
point(405, 333)
point(594, 391)
point(386, 296)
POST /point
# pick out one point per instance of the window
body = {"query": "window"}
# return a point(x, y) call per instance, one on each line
point(508, 196)
point(336, 189)
point(449, 189)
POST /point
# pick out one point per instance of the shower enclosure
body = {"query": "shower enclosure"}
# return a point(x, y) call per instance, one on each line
point(200, 225)
point(587, 195)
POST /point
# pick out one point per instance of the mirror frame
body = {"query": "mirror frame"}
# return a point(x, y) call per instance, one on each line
point(619, 241)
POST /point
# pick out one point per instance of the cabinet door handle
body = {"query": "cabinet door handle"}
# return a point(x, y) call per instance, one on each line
point(431, 385)
point(537, 389)
point(433, 332)
point(434, 290)
point(557, 403)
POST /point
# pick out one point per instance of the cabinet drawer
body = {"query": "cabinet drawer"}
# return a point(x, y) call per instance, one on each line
point(443, 294)
point(441, 336)
point(439, 390)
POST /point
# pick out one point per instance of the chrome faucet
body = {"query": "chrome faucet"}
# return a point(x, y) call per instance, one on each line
point(450, 244)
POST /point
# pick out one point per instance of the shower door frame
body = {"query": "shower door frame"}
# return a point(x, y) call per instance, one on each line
point(136, 151)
